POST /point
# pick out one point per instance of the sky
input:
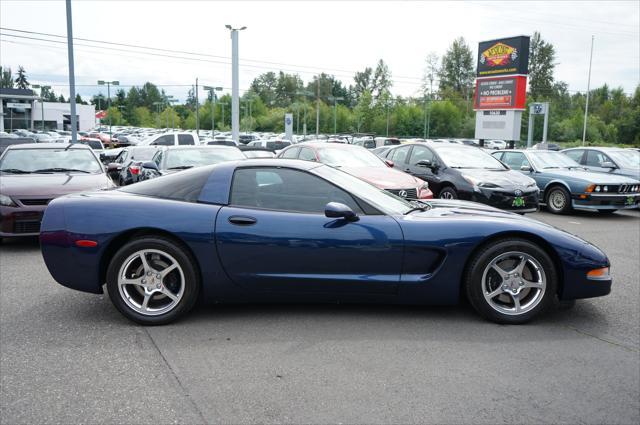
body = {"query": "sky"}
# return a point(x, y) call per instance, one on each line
point(305, 37)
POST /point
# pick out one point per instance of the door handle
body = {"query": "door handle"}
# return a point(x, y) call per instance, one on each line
point(242, 220)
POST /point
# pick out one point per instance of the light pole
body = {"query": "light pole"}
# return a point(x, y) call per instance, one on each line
point(305, 93)
point(335, 120)
point(157, 105)
point(388, 102)
point(42, 89)
point(173, 113)
point(222, 105)
point(168, 100)
point(212, 91)
point(235, 82)
point(586, 108)
point(108, 84)
point(72, 74)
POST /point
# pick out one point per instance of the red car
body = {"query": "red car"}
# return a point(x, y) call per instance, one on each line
point(361, 163)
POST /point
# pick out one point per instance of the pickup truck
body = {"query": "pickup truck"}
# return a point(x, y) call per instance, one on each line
point(172, 139)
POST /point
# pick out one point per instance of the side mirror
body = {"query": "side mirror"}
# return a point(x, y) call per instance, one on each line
point(526, 168)
point(150, 165)
point(424, 163)
point(113, 167)
point(608, 164)
point(389, 163)
point(338, 210)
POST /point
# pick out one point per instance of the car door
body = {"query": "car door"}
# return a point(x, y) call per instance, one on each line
point(516, 161)
point(274, 236)
point(594, 160)
point(423, 153)
point(577, 155)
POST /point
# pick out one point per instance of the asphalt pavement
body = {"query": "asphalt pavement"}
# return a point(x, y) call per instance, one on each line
point(70, 357)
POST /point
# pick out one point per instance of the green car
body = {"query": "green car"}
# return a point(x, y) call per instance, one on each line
point(566, 185)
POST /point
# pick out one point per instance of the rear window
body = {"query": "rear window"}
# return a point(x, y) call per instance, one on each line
point(185, 139)
point(184, 186)
point(277, 145)
point(143, 154)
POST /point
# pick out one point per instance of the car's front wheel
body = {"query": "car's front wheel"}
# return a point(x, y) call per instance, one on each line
point(558, 200)
point(511, 281)
point(448, 193)
point(152, 280)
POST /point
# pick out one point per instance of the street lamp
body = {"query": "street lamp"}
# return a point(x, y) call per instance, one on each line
point(335, 104)
point(235, 82)
point(108, 84)
point(389, 101)
point(42, 89)
point(305, 93)
point(173, 114)
point(212, 90)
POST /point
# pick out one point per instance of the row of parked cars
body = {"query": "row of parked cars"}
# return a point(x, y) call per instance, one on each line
point(513, 180)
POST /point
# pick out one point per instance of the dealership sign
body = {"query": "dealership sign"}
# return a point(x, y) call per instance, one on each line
point(501, 93)
point(506, 56)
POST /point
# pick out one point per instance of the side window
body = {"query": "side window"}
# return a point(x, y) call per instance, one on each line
point(420, 153)
point(399, 155)
point(166, 140)
point(515, 160)
point(158, 158)
point(284, 189)
point(122, 157)
point(307, 154)
point(290, 153)
point(595, 158)
point(185, 139)
point(576, 155)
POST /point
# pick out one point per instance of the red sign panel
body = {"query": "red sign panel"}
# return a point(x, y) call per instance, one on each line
point(501, 93)
point(101, 114)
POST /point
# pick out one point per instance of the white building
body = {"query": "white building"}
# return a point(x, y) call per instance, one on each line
point(22, 109)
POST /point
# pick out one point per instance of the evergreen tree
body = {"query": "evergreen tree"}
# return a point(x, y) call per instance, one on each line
point(457, 70)
point(21, 79)
point(541, 65)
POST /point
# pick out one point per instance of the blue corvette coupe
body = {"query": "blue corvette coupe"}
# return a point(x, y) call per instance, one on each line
point(299, 231)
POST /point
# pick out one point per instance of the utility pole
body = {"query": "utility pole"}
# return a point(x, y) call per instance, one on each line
point(212, 91)
point(305, 93)
point(222, 105)
point(318, 109)
point(197, 112)
point(235, 81)
point(586, 108)
point(42, 89)
point(72, 75)
point(335, 104)
point(387, 117)
point(108, 84)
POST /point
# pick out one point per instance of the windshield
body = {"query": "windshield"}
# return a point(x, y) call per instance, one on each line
point(378, 198)
point(461, 157)
point(349, 158)
point(143, 154)
point(181, 158)
point(626, 158)
point(50, 160)
point(552, 159)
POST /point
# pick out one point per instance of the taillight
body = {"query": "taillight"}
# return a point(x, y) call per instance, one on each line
point(134, 169)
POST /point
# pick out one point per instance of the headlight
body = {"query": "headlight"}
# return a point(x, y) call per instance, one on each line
point(532, 183)
point(5, 201)
point(478, 183)
point(425, 186)
point(606, 188)
point(597, 188)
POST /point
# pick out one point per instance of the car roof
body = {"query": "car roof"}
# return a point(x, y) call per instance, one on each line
point(324, 145)
point(49, 146)
point(277, 162)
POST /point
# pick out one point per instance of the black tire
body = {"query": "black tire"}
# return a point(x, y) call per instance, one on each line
point(473, 280)
point(448, 192)
point(186, 263)
point(607, 211)
point(554, 205)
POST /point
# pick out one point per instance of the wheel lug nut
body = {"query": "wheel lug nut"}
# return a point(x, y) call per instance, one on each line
point(158, 276)
point(521, 283)
point(148, 273)
point(144, 281)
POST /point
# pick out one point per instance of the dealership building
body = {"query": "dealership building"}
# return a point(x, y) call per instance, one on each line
point(23, 109)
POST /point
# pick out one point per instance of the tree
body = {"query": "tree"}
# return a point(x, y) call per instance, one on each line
point(191, 99)
point(79, 100)
point(21, 79)
point(430, 73)
point(6, 78)
point(542, 57)
point(61, 99)
point(363, 81)
point(264, 86)
point(457, 70)
point(381, 83)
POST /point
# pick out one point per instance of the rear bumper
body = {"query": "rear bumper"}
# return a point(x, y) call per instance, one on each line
point(606, 201)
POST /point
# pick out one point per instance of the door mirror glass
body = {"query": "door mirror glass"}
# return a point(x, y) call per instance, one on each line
point(526, 168)
point(608, 164)
point(338, 210)
point(424, 163)
point(150, 165)
point(389, 163)
point(113, 167)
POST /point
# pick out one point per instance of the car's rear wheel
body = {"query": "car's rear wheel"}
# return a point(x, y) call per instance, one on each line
point(558, 200)
point(448, 193)
point(511, 281)
point(152, 281)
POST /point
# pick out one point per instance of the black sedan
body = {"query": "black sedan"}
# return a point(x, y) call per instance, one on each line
point(169, 160)
point(125, 168)
point(463, 172)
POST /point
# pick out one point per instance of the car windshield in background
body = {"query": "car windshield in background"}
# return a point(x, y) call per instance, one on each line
point(349, 158)
point(460, 157)
point(552, 159)
point(143, 154)
point(18, 161)
point(182, 158)
point(626, 158)
point(380, 199)
point(93, 144)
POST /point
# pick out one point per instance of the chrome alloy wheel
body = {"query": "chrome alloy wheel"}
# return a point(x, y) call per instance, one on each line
point(514, 283)
point(151, 282)
point(557, 200)
point(446, 195)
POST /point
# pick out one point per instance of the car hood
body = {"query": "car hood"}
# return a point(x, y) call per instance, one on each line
point(590, 176)
point(384, 177)
point(54, 184)
point(502, 178)
point(449, 207)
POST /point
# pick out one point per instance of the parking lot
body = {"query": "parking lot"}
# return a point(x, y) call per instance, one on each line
point(69, 357)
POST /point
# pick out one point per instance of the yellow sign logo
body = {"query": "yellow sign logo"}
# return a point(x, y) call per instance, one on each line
point(498, 55)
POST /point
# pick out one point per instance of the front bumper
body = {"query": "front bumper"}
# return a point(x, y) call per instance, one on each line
point(20, 221)
point(606, 201)
point(527, 202)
